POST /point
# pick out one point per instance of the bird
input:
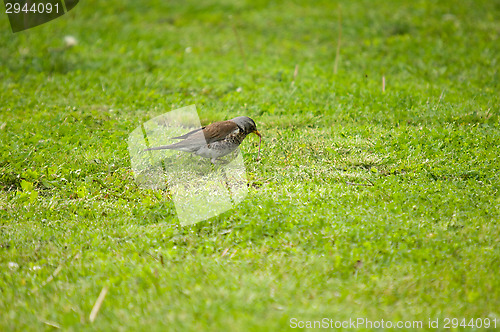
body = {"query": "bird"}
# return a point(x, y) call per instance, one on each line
point(215, 140)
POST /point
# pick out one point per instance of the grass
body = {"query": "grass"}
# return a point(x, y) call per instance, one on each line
point(418, 240)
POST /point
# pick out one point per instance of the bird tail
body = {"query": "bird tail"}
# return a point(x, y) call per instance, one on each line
point(181, 146)
point(163, 147)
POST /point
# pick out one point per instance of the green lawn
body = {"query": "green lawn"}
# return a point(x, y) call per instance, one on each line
point(366, 203)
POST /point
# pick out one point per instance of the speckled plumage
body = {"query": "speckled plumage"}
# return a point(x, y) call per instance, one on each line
point(215, 140)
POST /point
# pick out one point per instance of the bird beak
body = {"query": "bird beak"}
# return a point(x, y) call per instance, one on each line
point(256, 132)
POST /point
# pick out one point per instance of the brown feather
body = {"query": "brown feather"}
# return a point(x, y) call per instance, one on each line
point(219, 130)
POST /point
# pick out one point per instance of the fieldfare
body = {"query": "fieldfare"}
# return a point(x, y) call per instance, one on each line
point(215, 140)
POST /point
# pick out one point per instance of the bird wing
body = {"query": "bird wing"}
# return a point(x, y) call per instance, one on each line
point(219, 130)
point(213, 132)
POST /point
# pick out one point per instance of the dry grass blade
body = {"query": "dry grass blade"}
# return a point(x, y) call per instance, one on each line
point(97, 304)
point(337, 54)
point(51, 324)
point(55, 273)
point(295, 73)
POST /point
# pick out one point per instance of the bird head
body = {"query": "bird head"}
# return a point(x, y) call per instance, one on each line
point(247, 124)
